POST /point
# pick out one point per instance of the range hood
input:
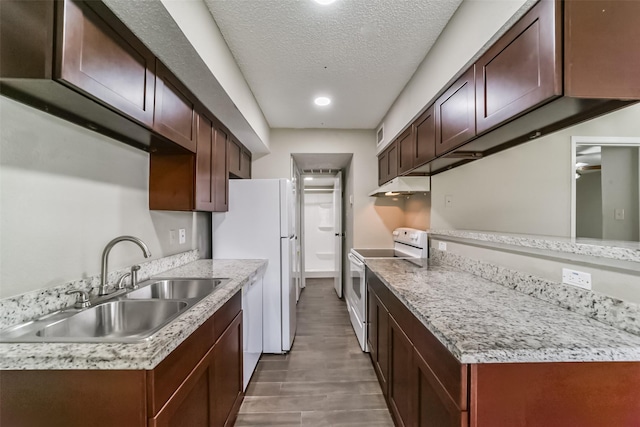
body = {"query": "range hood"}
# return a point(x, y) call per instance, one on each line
point(403, 186)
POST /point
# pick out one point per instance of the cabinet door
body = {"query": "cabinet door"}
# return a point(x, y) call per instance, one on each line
point(227, 360)
point(235, 156)
point(379, 340)
point(220, 172)
point(245, 164)
point(522, 70)
point(205, 185)
point(372, 325)
point(175, 115)
point(106, 61)
point(456, 114)
point(383, 167)
point(406, 144)
point(393, 161)
point(425, 131)
point(433, 406)
point(192, 403)
point(400, 379)
point(601, 52)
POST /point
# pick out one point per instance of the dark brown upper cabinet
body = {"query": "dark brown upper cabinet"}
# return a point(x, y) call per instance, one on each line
point(455, 114)
point(601, 53)
point(183, 181)
point(525, 88)
point(388, 163)
point(212, 182)
point(76, 60)
point(521, 70)
point(425, 131)
point(105, 61)
point(406, 143)
point(239, 160)
point(175, 111)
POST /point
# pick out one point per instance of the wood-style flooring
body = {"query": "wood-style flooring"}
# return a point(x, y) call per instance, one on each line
point(326, 379)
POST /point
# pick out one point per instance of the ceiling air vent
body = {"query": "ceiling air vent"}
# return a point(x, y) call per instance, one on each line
point(380, 135)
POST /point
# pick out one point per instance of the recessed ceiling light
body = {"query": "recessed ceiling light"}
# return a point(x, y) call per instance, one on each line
point(322, 101)
point(324, 2)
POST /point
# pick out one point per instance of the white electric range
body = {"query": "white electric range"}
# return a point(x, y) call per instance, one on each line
point(408, 243)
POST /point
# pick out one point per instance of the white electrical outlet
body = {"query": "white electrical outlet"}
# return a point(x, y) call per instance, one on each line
point(576, 278)
point(442, 246)
point(183, 236)
point(173, 236)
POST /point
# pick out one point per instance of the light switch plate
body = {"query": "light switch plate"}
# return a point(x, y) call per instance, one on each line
point(173, 237)
point(442, 246)
point(183, 236)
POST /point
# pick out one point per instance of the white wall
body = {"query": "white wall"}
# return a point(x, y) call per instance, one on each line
point(475, 25)
point(64, 193)
point(620, 192)
point(373, 218)
point(526, 189)
point(589, 205)
point(197, 24)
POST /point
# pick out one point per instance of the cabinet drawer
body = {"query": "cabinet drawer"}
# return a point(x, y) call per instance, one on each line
point(225, 315)
point(453, 375)
point(380, 290)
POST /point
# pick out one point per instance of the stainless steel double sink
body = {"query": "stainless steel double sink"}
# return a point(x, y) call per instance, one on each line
point(129, 317)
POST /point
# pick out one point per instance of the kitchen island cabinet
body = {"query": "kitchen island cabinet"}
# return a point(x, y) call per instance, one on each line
point(457, 359)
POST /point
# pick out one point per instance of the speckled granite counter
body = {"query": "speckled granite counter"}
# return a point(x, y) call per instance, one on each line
point(615, 250)
point(482, 322)
point(146, 354)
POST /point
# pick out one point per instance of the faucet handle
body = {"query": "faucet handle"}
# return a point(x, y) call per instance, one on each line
point(121, 280)
point(82, 300)
point(134, 276)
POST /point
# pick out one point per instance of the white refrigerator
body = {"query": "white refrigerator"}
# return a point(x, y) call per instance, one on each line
point(260, 224)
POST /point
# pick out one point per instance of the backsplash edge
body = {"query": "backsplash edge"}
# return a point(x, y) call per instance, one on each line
point(611, 311)
point(31, 305)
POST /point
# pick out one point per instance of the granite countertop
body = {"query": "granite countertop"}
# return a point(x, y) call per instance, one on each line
point(483, 322)
point(610, 249)
point(146, 354)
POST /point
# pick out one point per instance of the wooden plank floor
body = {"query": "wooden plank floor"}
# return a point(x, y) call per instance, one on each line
point(326, 379)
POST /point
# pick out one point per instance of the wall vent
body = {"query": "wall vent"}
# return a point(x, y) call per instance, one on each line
point(380, 135)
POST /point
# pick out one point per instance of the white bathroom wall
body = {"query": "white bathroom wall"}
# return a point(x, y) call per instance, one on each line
point(319, 234)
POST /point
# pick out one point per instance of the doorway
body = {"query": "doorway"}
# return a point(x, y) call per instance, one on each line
point(322, 228)
point(324, 215)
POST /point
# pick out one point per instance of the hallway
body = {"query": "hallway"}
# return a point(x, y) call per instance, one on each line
point(326, 380)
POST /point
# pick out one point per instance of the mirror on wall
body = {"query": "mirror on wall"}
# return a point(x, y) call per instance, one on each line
point(605, 188)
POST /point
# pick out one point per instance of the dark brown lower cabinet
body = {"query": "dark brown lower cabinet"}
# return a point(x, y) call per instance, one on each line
point(227, 361)
point(425, 385)
point(432, 405)
point(198, 384)
point(400, 370)
point(378, 339)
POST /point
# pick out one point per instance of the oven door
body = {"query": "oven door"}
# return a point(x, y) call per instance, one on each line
point(356, 297)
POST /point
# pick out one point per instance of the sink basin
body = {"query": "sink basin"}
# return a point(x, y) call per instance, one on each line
point(131, 317)
point(177, 289)
point(116, 319)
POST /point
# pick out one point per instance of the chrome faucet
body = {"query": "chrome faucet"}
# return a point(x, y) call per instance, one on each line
point(102, 290)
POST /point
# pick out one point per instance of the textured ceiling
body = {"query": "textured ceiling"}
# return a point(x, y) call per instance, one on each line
point(360, 53)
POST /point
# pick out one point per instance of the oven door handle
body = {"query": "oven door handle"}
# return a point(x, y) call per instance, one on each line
point(355, 260)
